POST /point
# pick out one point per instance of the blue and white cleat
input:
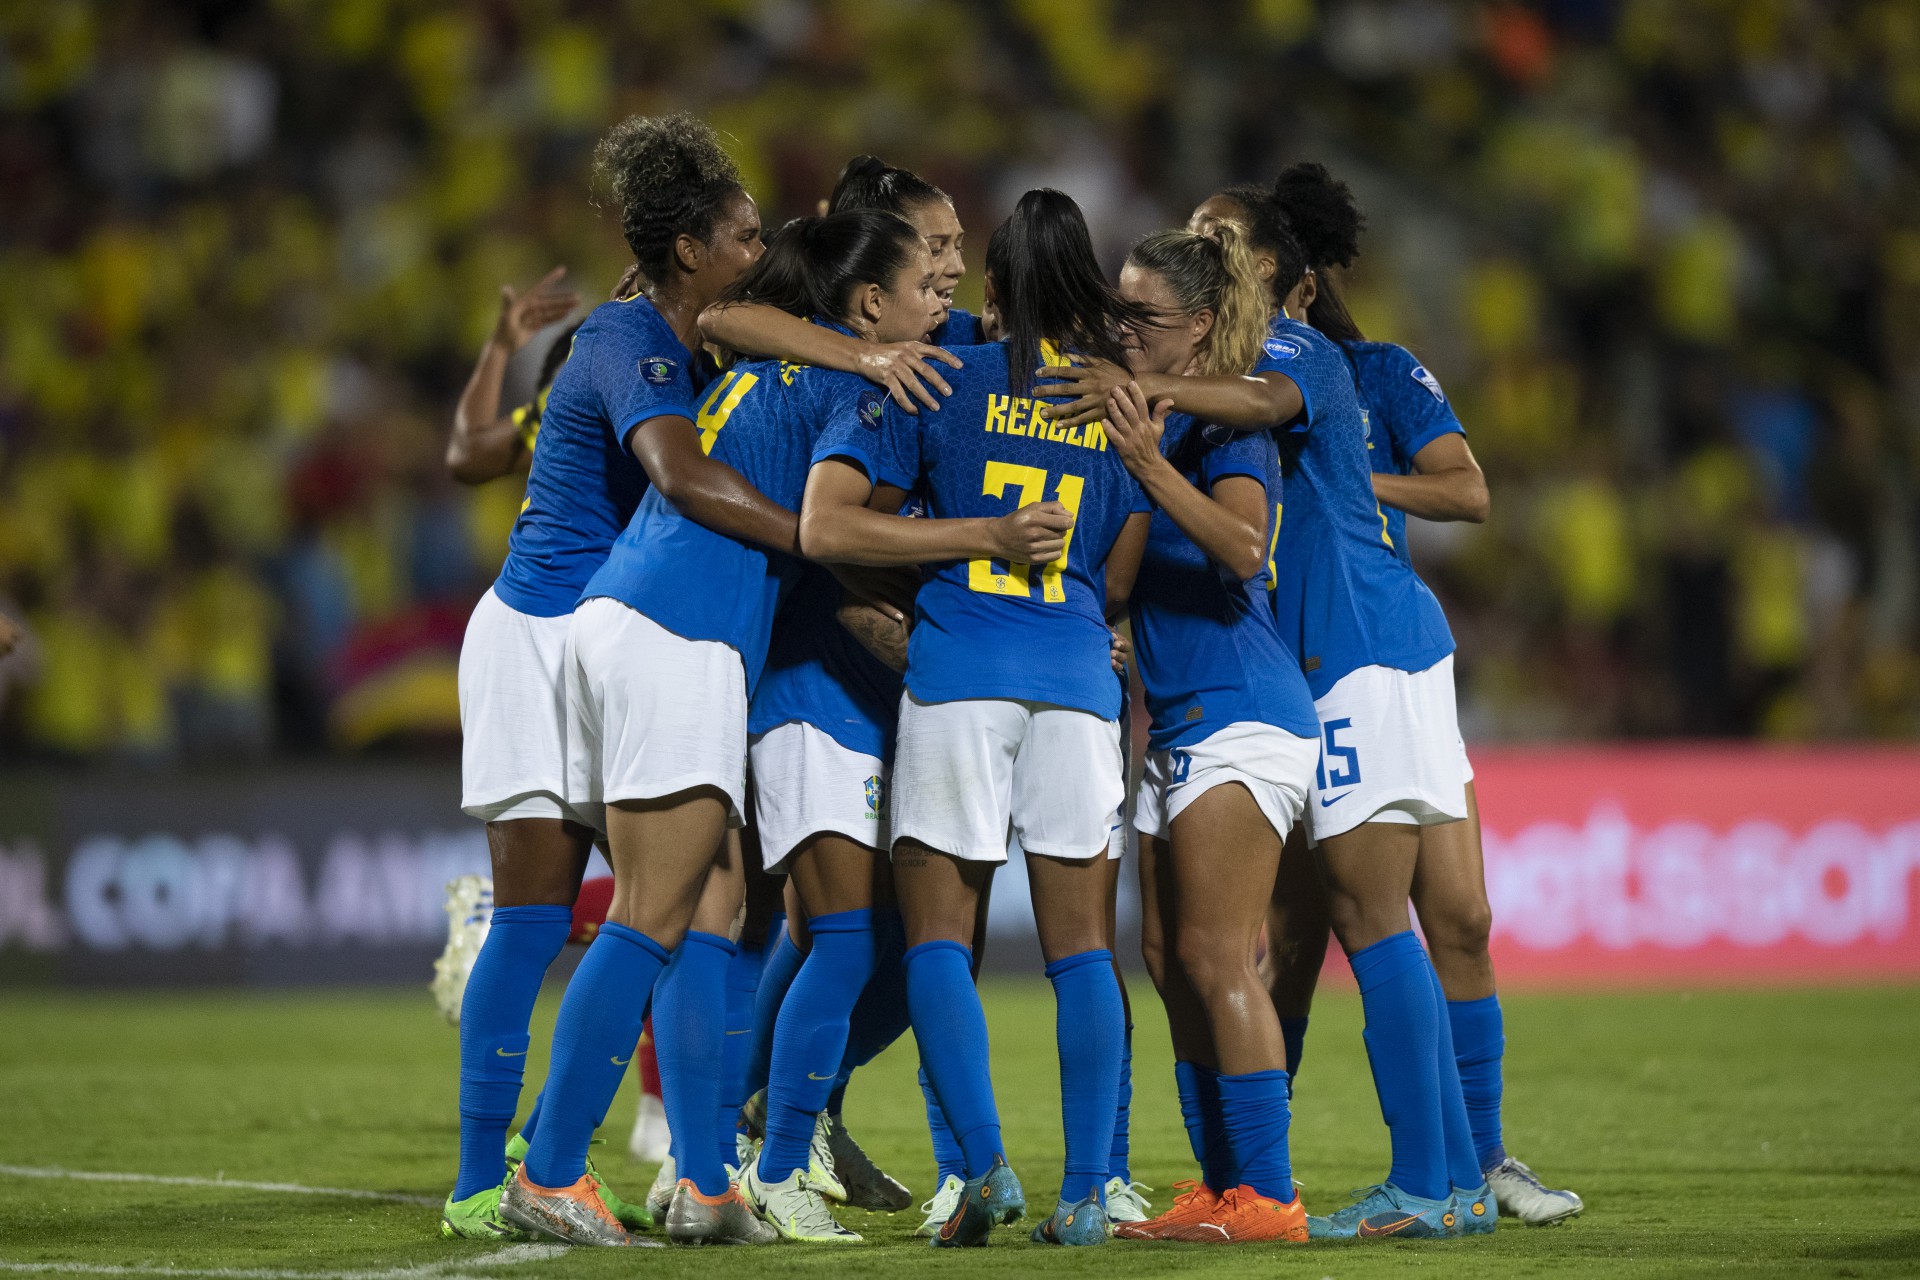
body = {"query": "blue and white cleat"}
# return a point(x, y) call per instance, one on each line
point(1344, 1224)
point(994, 1199)
point(1411, 1218)
point(1474, 1211)
point(1522, 1195)
point(1083, 1223)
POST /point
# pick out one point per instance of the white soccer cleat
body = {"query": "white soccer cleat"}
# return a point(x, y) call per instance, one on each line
point(1125, 1203)
point(1520, 1194)
point(821, 1170)
point(660, 1194)
point(941, 1207)
point(794, 1208)
point(650, 1140)
point(469, 908)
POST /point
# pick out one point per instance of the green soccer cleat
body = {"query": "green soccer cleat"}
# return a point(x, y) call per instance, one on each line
point(478, 1218)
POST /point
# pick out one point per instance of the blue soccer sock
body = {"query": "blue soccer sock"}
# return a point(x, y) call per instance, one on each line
point(810, 1038)
point(743, 981)
point(1293, 1034)
point(880, 1015)
point(1479, 1045)
point(689, 1029)
point(1254, 1110)
point(783, 964)
point(1403, 1037)
point(531, 1124)
point(1186, 1081)
point(1463, 1164)
point(1089, 1031)
point(494, 1014)
point(593, 1041)
point(1219, 1170)
point(952, 1030)
point(1120, 1154)
point(947, 1157)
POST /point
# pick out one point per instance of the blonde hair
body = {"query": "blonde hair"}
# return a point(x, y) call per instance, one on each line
point(1214, 273)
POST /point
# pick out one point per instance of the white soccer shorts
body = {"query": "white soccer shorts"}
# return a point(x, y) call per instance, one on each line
point(806, 783)
point(1274, 765)
point(965, 772)
point(1390, 751)
point(650, 713)
point(513, 714)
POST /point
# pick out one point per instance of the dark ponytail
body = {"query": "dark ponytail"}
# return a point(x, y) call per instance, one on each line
point(813, 265)
point(1268, 229)
point(1049, 287)
point(1327, 222)
point(868, 182)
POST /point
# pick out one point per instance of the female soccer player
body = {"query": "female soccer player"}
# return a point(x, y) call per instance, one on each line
point(1374, 648)
point(1233, 737)
point(692, 229)
point(1421, 465)
point(487, 443)
point(1009, 715)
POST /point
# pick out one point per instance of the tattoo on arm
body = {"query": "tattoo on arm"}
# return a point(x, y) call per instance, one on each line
point(878, 634)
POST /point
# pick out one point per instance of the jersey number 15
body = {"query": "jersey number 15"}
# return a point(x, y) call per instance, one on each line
point(1011, 578)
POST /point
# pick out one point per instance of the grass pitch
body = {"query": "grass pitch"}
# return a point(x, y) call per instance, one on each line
point(1732, 1133)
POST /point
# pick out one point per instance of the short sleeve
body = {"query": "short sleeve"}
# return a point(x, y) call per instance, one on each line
point(851, 410)
point(1294, 358)
point(1240, 453)
point(645, 375)
point(901, 440)
point(1418, 411)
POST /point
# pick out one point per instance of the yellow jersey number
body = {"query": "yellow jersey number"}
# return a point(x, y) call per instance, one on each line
point(720, 404)
point(1012, 579)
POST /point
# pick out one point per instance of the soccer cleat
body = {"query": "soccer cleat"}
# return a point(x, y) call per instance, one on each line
point(660, 1194)
point(478, 1218)
point(993, 1199)
point(868, 1186)
point(753, 1114)
point(1191, 1205)
point(820, 1167)
point(941, 1206)
point(1345, 1224)
point(651, 1139)
point(745, 1151)
point(469, 908)
point(794, 1208)
point(1125, 1203)
point(1474, 1212)
point(1075, 1224)
point(723, 1219)
point(1243, 1216)
point(1410, 1217)
point(1522, 1195)
point(634, 1217)
point(571, 1215)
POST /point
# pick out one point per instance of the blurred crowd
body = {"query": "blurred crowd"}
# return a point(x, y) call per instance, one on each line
point(1664, 254)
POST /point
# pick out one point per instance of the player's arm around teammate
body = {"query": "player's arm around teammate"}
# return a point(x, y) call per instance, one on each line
point(487, 443)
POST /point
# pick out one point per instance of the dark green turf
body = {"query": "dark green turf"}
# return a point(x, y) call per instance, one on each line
point(1736, 1133)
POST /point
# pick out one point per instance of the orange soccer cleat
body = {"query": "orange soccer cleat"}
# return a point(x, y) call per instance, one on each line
point(1244, 1216)
point(1191, 1205)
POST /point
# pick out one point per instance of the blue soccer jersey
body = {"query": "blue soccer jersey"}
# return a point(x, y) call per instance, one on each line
point(959, 329)
point(1405, 412)
point(761, 419)
point(1209, 649)
point(986, 628)
point(818, 674)
point(626, 367)
point(1343, 598)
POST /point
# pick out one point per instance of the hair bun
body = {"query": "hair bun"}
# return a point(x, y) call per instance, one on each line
point(1322, 213)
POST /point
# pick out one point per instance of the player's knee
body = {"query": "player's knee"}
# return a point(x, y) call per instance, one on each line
point(1153, 951)
point(1464, 931)
point(1212, 965)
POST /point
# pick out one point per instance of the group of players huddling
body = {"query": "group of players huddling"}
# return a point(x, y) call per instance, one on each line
point(867, 574)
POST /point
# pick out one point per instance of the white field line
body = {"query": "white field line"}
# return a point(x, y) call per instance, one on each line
point(451, 1269)
point(291, 1188)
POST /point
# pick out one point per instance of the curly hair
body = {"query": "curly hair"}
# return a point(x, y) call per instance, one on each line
point(669, 176)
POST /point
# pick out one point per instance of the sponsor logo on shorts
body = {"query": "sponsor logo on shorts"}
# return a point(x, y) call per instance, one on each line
point(876, 796)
